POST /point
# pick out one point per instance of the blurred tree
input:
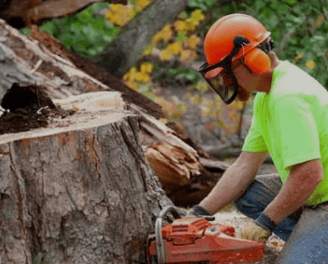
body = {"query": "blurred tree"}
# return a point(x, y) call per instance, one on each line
point(129, 45)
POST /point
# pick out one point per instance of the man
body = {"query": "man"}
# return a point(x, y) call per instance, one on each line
point(290, 123)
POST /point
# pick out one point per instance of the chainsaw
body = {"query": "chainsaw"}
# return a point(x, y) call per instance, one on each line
point(196, 240)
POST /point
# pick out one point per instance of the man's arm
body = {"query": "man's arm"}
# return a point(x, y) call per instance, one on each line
point(301, 182)
point(234, 181)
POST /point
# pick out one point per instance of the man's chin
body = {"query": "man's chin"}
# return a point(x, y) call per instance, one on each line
point(243, 96)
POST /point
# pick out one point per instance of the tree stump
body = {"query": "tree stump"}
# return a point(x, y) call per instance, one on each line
point(78, 191)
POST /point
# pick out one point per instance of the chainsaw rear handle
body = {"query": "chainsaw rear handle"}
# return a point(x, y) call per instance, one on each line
point(160, 250)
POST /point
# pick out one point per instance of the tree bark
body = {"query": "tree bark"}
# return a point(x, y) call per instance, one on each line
point(127, 48)
point(79, 191)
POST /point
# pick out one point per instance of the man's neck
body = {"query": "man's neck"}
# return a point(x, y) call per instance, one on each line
point(265, 82)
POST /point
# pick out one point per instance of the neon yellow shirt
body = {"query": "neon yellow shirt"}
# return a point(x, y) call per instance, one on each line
point(291, 123)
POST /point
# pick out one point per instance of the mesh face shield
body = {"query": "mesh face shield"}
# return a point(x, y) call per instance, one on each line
point(221, 79)
point(220, 76)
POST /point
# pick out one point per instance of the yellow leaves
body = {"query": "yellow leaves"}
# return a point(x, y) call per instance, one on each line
point(141, 4)
point(119, 14)
point(310, 64)
point(180, 26)
point(180, 44)
point(171, 50)
point(201, 86)
point(193, 41)
point(211, 107)
point(319, 20)
point(134, 77)
point(298, 57)
point(165, 55)
point(164, 35)
point(189, 24)
point(187, 56)
point(146, 67)
point(148, 50)
point(193, 22)
point(174, 108)
point(197, 16)
point(175, 47)
point(195, 99)
point(185, 50)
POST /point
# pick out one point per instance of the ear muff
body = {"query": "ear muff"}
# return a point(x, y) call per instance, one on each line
point(257, 61)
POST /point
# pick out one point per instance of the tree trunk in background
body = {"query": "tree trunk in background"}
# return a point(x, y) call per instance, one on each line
point(127, 48)
point(79, 191)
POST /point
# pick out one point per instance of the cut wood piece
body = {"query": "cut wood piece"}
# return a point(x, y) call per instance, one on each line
point(94, 102)
point(160, 132)
point(186, 175)
point(172, 164)
point(79, 191)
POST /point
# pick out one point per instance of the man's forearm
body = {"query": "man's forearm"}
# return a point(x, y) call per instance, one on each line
point(231, 186)
point(234, 182)
point(301, 182)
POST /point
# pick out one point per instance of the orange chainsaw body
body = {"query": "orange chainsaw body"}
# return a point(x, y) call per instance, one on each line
point(190, 240)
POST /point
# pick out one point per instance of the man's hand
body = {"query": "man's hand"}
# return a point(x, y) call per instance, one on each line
point(197, 211)
point(255, 232)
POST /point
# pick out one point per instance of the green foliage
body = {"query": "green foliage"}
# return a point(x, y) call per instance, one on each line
point(184, 75)
point(84, 33)
point(299, 30)
point(204, 5)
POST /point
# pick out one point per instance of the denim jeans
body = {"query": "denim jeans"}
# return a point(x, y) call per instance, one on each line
point(305, 231)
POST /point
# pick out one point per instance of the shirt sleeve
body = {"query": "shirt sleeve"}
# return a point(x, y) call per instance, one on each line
point(254, 141)
point(296, 129)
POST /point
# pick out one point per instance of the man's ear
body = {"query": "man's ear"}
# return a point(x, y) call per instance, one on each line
point(257, 61)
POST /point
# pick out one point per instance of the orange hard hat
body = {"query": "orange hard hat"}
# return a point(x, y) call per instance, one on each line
point(219, 40)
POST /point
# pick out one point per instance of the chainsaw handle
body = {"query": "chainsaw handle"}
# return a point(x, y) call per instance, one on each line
point(160, 250)
point(167, 210)
point(207, 217)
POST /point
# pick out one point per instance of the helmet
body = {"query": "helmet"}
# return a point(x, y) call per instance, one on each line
point(230, 38)
point(219, 41)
